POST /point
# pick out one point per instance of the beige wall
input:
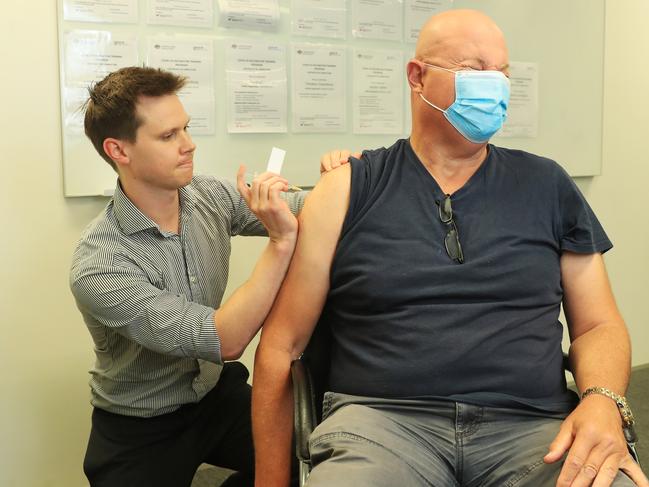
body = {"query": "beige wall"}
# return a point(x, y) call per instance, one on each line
point(44, 348)
point(621, 195)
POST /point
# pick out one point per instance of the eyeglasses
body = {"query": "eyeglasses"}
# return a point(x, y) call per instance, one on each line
point(452, 239)
point(454, 70)
point(504, 69)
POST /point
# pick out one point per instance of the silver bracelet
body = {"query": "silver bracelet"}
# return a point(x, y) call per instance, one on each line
point(620, 401)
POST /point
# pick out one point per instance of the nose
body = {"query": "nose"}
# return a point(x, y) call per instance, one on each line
point(495, 67)
point(187, 143)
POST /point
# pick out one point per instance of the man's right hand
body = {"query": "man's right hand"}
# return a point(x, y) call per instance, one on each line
point(264, 200)
point(239, 318)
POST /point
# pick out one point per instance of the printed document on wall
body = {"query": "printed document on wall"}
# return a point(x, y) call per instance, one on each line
point(523, 111)
point(256, 86)
point(194, 59)
point(89, 55)
point(318, 96)
point(377, 19)
point(249, 14)
point(188, 13)
point(72, 104)
point(122, 11)
point(418, 11)
point(378, 92)
point(319, 18)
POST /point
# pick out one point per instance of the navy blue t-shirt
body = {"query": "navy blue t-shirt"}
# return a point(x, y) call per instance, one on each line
point(407, 321)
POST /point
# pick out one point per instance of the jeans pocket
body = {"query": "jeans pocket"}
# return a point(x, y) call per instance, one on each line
point(327, 402)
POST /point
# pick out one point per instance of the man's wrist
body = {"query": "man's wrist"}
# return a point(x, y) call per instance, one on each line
point(620, 401)
point(285, 243)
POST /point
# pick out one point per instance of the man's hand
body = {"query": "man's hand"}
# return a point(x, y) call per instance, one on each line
point(337, 157)
point(592, 436)
point(264, 200)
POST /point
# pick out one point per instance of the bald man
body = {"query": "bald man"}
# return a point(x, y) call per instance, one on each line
point(439, 265)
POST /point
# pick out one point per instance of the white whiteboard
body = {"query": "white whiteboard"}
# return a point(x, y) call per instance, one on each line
point(565, 38)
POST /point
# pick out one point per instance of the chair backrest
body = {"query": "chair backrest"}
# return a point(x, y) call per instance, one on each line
point(317, 358)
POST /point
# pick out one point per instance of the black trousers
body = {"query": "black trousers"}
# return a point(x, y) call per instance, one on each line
point(166, 450)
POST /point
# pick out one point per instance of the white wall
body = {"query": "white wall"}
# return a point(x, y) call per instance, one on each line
point(621, 195)
point(44, 348)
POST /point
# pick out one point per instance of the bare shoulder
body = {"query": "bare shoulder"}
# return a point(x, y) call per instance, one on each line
point(329, 200)
point(321, 220)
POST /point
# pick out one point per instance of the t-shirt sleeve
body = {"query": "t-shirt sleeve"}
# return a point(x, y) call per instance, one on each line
point(579, 230)
point(360, 187)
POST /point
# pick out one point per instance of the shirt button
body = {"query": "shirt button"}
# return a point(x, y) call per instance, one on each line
point(193, 279)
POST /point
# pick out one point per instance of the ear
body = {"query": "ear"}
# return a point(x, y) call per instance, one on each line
point(115, 149)
point(415, 72)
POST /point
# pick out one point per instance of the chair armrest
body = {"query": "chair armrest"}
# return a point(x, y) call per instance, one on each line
point(566, 363)
point(304, 415)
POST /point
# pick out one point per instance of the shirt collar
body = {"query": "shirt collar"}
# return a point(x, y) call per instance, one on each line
point(132, 220)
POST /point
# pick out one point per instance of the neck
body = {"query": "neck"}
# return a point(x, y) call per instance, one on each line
point(161, 205)
point(450, 162)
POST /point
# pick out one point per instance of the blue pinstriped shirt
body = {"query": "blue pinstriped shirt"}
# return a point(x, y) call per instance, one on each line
point(148, 296)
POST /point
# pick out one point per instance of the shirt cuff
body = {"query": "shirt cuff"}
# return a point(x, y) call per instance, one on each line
point(198, 335)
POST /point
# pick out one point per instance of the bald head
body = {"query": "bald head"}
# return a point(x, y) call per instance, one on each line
point(462, 38)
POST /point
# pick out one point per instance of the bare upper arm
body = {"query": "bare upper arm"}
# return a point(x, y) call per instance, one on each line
point(302, 295)
point(588, 299)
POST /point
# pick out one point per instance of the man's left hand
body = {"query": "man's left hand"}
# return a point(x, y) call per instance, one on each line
point(592, 435)
point(337, 157)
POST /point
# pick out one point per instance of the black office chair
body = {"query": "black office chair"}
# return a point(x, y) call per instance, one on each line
point(310, 374)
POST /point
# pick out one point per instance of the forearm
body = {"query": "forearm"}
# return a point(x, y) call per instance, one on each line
point(600, 352)
point(240, 317)
point(602, 357)
point(272, 412)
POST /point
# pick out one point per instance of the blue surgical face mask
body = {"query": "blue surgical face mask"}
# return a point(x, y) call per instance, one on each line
point(480, 106)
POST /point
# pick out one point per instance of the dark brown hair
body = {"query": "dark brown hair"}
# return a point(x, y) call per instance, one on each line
point(111, 108)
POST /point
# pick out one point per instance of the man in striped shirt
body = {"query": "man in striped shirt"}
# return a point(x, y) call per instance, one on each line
point(148, 276)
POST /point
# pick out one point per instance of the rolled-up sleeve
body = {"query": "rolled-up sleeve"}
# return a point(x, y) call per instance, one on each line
point(243, 220)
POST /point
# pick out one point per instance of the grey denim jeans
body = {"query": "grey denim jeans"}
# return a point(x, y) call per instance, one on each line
point(419, 443)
